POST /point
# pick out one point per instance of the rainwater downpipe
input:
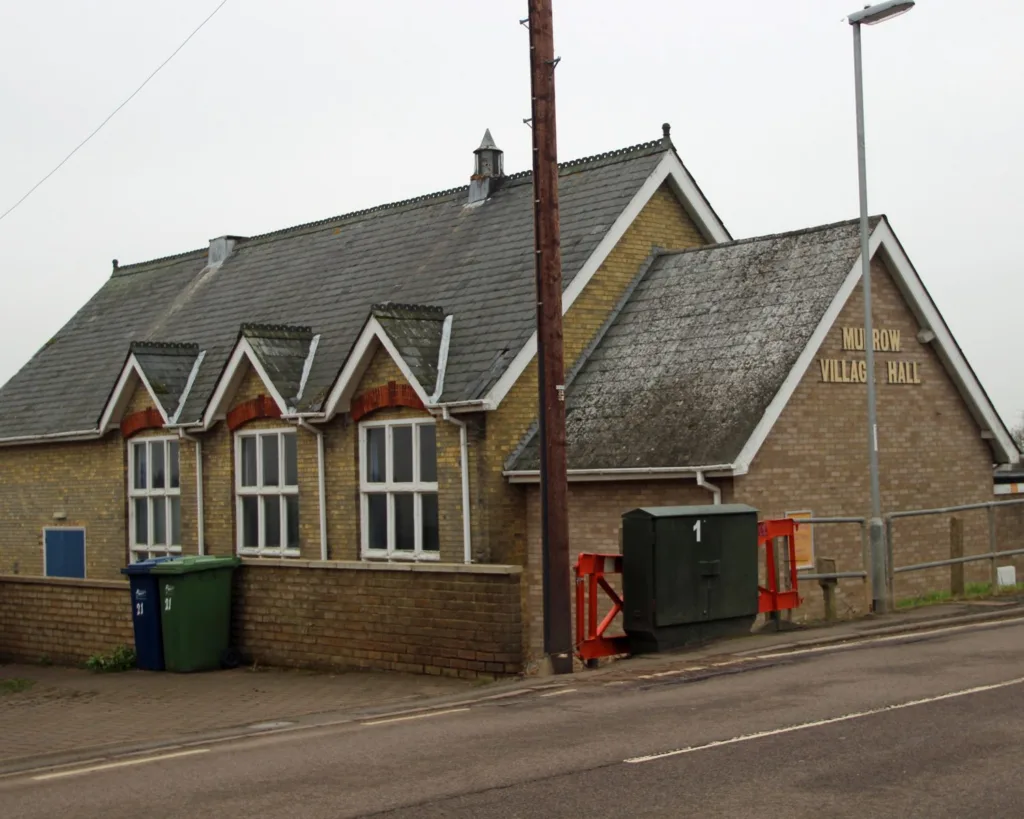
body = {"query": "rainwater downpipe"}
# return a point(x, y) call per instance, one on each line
point(321, 482)
point(200, 523)
point(715, 491)
point(467, 537)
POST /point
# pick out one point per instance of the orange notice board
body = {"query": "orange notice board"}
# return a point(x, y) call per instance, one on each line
point(804, 539)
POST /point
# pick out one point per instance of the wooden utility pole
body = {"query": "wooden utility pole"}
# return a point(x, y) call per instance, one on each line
point(550, 366)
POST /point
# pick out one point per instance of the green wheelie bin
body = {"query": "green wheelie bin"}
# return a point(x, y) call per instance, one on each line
point(195, 609)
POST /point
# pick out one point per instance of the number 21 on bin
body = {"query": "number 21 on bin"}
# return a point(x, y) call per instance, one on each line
point(139, 609)
point(167, 604)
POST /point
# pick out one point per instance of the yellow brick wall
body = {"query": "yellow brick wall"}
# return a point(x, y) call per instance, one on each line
point(931, 454)
point(662, 223)
point(73, 485)
point(62, 620)
point(464, 623)
point(815, 459)
point(140, 400)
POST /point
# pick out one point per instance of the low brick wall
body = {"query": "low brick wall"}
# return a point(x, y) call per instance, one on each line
point(63, 621)
point(448, 619)
point(454, 620)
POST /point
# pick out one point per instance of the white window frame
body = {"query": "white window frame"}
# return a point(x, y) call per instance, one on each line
point(154, 496)
point(261, 491)
point(390, 488)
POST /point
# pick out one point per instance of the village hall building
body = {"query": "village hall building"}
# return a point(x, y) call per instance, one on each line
point(350, 406)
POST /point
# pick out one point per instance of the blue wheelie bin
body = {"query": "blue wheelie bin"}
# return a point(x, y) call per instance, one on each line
point(149, 642)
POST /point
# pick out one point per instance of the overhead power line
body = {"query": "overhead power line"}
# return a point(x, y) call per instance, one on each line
point(113, 113)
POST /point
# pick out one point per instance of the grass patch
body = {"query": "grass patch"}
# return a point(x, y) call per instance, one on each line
point(121, 658)
point(971, 591)
point(929, 599)
point(15, 685)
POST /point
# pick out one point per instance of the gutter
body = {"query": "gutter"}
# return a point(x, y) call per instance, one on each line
point(321, 482)
point(658, 472)
point(467, 532)
point(200, 517)
point(77, 435)
point(477, 404)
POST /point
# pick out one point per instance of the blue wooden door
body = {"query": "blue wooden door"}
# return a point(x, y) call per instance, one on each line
point(64, 552)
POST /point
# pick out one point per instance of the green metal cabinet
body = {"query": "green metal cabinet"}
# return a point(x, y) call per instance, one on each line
point(689, 572)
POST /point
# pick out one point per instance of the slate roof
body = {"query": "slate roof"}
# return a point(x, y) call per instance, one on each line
point(686, 367)
point(282, 351)
point(475, 262)
point(416, 332)
point(167, 368)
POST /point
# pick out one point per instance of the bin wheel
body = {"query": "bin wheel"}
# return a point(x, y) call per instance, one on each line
point(230, 658)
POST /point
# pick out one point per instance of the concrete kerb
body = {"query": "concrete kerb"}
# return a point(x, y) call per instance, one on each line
point(851, 631)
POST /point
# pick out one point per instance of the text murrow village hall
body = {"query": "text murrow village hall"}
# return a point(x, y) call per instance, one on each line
point(855, 371)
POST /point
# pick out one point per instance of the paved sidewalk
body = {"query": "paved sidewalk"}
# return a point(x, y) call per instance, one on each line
point(65, 713)
point(71, 711)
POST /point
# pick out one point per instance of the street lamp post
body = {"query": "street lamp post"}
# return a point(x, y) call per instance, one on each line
point(870, 16)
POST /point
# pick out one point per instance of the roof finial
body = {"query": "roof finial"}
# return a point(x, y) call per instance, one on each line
point(488, 170)
point(487, 143)
point(666, 131)
point(115, 265)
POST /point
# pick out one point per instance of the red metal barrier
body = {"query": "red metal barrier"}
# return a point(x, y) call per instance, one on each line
point(771, 599)
point(591, 641)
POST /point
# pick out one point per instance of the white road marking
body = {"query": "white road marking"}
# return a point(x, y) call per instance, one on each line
point(831, 721)
point(414, 716)
point(674, 672)
point(122, 764)
point(559, 693)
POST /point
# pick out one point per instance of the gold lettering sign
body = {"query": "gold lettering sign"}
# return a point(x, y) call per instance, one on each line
point(848, 371)
point(902, 372)
point(885, 341)
point(854, 371)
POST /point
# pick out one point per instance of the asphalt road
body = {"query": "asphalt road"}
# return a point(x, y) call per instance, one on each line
point(911, 727)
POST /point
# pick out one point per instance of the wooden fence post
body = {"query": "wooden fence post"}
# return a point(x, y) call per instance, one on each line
point(956, 550)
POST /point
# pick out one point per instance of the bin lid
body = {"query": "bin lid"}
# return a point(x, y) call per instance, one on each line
point(144, 566)
point(188, 565)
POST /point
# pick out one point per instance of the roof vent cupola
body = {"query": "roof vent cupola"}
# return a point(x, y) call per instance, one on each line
point(488, 171)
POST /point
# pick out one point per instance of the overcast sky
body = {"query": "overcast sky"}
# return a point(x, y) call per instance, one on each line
point(281, 113)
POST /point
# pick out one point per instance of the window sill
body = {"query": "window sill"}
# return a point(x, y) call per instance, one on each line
point(273, 553)
point(399, 557)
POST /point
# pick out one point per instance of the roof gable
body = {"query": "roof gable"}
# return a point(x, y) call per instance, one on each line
point(416, 339)
point(281, 357)
point(285, 354)
point(165, 370)
point(706, 349)
point(683, 370)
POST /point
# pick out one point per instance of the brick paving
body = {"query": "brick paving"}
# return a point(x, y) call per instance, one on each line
point(68, 710)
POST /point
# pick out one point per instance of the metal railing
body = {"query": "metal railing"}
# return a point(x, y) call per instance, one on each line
point(861, 574)
point(991, 555)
